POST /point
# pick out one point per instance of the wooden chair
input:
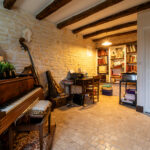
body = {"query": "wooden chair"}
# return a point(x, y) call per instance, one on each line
point(92, 89)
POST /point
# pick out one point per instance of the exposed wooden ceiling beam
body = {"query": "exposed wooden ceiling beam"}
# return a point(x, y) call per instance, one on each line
point(51, 8)
point(115, 35)
point(125, 43)
point(8, 3)
point(114, 28)
point(114, 16)
point(121, 43)
point(87, 13)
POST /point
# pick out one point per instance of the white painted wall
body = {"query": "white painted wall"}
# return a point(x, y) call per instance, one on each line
point(143, 96)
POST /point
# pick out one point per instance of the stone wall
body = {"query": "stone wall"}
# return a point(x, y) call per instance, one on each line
point(52, 49)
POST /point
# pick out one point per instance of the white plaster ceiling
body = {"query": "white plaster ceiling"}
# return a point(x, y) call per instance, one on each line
point(77, 6)
point(111, 23)
point(125, 4)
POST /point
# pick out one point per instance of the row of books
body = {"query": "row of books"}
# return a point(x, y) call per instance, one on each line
point(102, 61)
point(102, 53)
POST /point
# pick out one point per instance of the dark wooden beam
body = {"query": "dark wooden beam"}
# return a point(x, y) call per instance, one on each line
point(115, 35)
point(114, 16)
point(117, 44)
point(87, 13)
point(54, 6)
point(114, 28)
point(8, 4)
point(125, 43)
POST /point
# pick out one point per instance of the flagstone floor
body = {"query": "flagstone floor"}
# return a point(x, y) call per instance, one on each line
point(102, 126)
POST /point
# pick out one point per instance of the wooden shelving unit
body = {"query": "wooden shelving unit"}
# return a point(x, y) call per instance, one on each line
point(127, 62)
point(131, 57)
point(117, 62)
point(102, 68)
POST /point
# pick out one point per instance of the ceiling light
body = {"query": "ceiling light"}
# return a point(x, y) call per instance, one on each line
point(106, 43)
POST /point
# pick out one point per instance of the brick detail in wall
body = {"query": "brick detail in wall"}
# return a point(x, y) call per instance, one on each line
point(52, 49)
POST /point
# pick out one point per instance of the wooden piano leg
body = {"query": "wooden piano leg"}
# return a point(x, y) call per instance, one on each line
point(10, 138)
point(41, 137)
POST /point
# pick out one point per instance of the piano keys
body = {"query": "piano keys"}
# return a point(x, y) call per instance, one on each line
point(16, 97)
point(10, 113)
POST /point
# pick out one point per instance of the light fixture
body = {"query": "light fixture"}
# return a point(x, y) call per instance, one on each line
point(89, 51)
point(107, 42)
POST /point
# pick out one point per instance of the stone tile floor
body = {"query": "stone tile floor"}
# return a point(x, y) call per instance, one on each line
point(102, 126)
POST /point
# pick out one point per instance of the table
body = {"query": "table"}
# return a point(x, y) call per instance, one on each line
point(84, 82)
point(126, 82)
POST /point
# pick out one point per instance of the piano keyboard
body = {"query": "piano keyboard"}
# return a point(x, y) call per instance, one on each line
point(11, 113)
point(18, 102)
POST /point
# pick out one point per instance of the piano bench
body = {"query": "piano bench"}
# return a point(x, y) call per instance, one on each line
point(39, 114)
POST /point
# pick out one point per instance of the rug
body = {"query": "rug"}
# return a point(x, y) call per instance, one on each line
point(30, 140)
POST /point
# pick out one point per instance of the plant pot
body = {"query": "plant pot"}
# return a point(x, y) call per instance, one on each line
point(8, 74)
point(1, 76)
point(13, 74)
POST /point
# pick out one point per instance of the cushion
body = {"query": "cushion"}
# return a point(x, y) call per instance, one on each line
point(107, 88)
point(40, 108)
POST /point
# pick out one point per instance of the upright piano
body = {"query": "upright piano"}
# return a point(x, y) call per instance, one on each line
point(16, 97)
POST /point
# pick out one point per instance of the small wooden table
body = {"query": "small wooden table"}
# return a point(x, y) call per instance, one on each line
point(84, 82)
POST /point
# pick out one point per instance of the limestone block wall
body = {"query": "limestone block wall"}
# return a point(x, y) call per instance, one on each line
point(52, 49)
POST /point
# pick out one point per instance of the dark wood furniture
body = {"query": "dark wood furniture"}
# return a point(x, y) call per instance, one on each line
point(85, 83)
point(19, 94)
point(92, 89)
point(13, 111)
point(103, 62)
point(36, 125)
point(13, 88)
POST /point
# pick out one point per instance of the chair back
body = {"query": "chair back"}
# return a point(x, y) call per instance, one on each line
point(96, 80)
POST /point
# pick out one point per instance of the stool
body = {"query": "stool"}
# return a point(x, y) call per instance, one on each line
point(107, 91)
point(38, 116)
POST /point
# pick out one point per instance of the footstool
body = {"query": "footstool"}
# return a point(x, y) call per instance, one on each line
point(38, 115)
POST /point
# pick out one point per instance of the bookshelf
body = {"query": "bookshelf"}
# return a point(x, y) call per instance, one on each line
point(102, 68)
point(131, 51)
point(117, 62)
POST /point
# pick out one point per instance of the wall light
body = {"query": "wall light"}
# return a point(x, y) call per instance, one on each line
point(89, 51)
